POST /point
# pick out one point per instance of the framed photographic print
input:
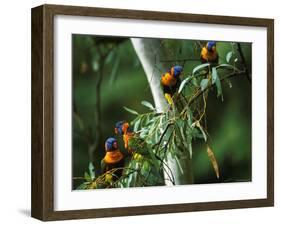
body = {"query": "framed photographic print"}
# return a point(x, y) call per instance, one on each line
point(140, 112)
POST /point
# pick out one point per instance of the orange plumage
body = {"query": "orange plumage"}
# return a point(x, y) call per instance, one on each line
point(113, 157)
point(123, 128)
point(209, 53)
point(168, 80)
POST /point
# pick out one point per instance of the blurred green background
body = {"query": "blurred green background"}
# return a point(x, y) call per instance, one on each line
point(113, 63)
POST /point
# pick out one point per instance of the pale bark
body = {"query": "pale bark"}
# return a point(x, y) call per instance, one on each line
point(148, 51)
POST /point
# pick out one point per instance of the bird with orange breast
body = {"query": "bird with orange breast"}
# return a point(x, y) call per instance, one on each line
point(123, 128)
point(113, 160)
point(135, 146)
point(139, 152)
point(209, 53)
point(171, 81)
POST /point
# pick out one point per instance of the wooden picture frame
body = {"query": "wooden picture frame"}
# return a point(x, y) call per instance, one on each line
point(42, 204)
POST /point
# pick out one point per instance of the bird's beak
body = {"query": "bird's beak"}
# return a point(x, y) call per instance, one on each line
point(116, 131)
point(213, 48)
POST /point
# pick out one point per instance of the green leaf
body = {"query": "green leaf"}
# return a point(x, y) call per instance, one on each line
point(200, 67)
point(152, 155)
point(183, 83)
point(136, 119)
point(179, 134)
point(214, 75)
point(87, 177)
point(145, 169)
point(216, 80)
point(83, 186)
point(172, 147)
point(219, 89)
point(202, 130)
point(196, 133)
point(190, 116)
point(194, 82)
point(137, 124)
point(204, 83)
point(227, 66)
point(147, 104)
point(228, 56)
point(146, 166)
point(91, 170)
point(129, 180)
point(131, 111)
point(179, 164)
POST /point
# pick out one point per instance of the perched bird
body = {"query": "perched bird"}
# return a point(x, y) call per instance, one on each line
point(171, 81)
point(135, 146)
point(139, 152)
point(123, 128)
point(209, 53)
point(113, 159)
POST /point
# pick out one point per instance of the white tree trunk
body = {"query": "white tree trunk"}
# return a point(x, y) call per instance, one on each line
point(146, 50)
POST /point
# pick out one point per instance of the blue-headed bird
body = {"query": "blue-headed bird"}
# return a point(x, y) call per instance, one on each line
point(113, 158)
point(123, 128)
point(209, 53)
point(132, 142)
point(171, 81)
point(138, 149)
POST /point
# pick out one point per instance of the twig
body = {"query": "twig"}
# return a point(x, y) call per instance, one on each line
point(171, 172)
point(162, 136)
point(233, 74)
point(204, 110)
point(112, 171)
point(126, 175)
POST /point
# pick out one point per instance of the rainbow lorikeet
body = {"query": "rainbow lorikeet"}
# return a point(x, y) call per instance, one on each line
point(171, 81)
point(132, 142)
point(140, 152)
point(123, 128)
point(113, 158)
point(209, 53)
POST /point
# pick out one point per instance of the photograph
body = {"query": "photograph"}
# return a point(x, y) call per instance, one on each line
point(160, 112)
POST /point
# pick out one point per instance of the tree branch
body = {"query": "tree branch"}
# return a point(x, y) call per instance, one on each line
point(162, 136)
point(233, 74)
